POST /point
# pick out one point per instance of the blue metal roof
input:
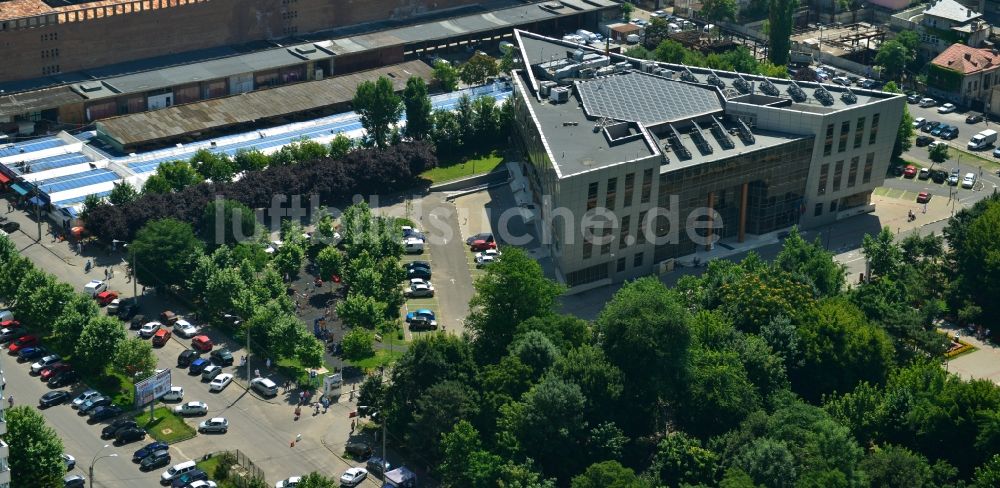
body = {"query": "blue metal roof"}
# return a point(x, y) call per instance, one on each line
point(77, 180)
point(53, 162)
point(32, 146)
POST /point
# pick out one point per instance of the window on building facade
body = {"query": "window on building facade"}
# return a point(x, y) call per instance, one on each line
point(623, 233)
point(640, 233)
point(833, 206)
point(824, 172)
point(592, 196)
point(869, 163)
point(588, 247)
point(859, 132)
point(647, 186)
point(852, 174)
point(621, 265)
point(612, 194)
point(874, 131)
point(605, 238)
point(845, 129)
point(637, 260)
point(629, 189)
point(828, 142)
point(818, 210)
point(838, 171)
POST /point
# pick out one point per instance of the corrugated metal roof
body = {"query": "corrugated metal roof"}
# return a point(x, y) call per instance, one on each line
point(237, 109)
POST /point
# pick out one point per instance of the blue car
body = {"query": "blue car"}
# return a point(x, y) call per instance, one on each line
point(29, 353)
point(198, 365)
point(423, 312)
point(149, 449)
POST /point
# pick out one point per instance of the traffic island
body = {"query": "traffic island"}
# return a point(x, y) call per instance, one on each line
point(166, 426)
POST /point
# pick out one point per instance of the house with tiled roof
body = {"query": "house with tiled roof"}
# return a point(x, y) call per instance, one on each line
point(942, 23)
point(964, 75)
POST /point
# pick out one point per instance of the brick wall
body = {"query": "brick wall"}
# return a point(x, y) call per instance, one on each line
point(75, 40)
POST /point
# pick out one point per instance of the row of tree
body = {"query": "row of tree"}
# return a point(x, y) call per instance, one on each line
point(752, 374)
point(69, 322)
point(739, 59)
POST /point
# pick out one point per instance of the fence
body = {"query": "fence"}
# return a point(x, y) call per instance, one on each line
point(244, 471)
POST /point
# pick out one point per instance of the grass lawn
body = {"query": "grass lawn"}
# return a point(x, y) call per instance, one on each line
point(381, 357)
point(208, 466)
point(452, 170)
point(167, 427)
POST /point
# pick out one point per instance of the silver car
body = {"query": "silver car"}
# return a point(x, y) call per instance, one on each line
point(215, 424)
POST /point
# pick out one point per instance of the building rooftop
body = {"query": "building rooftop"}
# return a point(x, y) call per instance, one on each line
point(179, 120)
point(13, 9)
point(951, 10)
point(645, 98)
point(967, 60)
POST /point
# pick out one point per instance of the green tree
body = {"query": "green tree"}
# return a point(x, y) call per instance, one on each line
point(123, 194)
point(309, 350)
point(418, 108)
point(681, 459)
point(600, 381)
point(627, 9)
point(250, 160)
point(882, 252)
point(316, 480)
point(893, 466)
point(330, 262)
point(638, 51)
point(813, 262)
point(288, 259)
point(565, 331)
point(719, 396)
point(213, 166)
point(512, 290)
point(656, 32)
point(780, 19)
point(988, 475)
point(358, 344)
point(670, 51)
point(507, 59)
point(41, 303)
point(163, 251)
point(361, 311)
point(479, 68)
point(719, 10)
point(939, 154)
point(464, 462)
point(67, 325)
point(536, 351)
point(176, 176)
point(133, 358)
point(437, 411)
point(978, 260)
point(379, 107)
point(340, 146)
point(893, 57)
point(768, 462)
point(904, 134)
point(227, 222)
point(609, 474)
point(36, 452)
point(98, 342)
point(446, 74)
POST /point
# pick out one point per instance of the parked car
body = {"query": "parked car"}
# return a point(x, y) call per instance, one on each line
point(210, 372)
point(937, 131)
point(377, 466)
point(924, 140)
point(127, 309)
point(192, 408)
point(93, 287)
point(109, 431)
point(131, 434)
point(63, 378)
point(185, 329)
point(198, 366)
point(51, 359)
point(21, 343)
point(358, 449)
point(913, 98)
point(10, 227)
point(481, 245)
point(969, 181)
point(974, 119)
point(188, 478)
point(202, 343)
point(953, 177)
point(418, 264)
point(155, 460)
point(946, 108)
point(31, 353)
point(49, 371)
point(220, 382)
point(136, 322)
point(420, 312)
point(910, 171)
point(161, 337)
point(939, 176)
point(84, 397)
point(175, 394)
point(950, 133)
point(104, 413)
point(483, 261)
point(264, 386)
point(105, 297)
point(841, 80)
point(919, 122)
point(418, 272)
point(149, 328)
point(185, 358)
point(202, 484)
point(69, 461)
point(222, 357)
point(419, 288)
point(927, 102)
point(215, 424)
point(929, 126)
point(9, 333)
point(924, 174)
point(353, 476)
point(93, 403)
point(423, 323)
point(289, 482)
point(74, 481)
point(168, 317)
point(149, 449)
point(53, 398)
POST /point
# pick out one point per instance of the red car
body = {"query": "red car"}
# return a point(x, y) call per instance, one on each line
point(54, 370)
point(22, 342)
point(161, 337)
point(105, 297)
point(202, 343)
point(10, 324)
point(482, 245)
point(910, 171)
point(923, 197)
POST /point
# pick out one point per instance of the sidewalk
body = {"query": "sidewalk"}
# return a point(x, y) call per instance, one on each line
point(982, 364)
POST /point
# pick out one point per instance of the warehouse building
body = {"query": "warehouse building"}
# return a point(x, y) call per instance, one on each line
point(634, 163)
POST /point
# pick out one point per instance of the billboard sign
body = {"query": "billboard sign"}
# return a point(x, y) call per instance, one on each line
point(149, 389)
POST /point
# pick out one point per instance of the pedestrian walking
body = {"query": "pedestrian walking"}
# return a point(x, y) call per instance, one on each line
point(10, 400)
point(10, 208)
point(268, 363)
point(353, 423)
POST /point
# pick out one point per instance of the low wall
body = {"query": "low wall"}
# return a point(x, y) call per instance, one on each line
point(496, 176)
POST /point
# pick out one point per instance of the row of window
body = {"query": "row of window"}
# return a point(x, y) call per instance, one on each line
point(838, 173)
point(845, 129)
point(53, 36)
point(611, 191)
point(50, 70)
point(291, 14)
point(50, 53)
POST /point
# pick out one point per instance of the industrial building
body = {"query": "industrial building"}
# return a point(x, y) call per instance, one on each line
point(634, 163)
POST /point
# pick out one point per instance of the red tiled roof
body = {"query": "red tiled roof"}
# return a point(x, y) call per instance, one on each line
point(967, 60)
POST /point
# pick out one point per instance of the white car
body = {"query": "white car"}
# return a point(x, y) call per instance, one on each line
point(927, 102)
point(114, 306)
point(969, 181)
point(946, 108)
point(185, 329)
point(489, 252)
point(220, 382)
point(291, 482)
point(202, 484)
point(192, 408)
point(93, 287)
point(175, 394)
point(148, 329)
point(919, 122)
point(841, 80)
point(482, 261)
point(353, 476)
point(420, 288)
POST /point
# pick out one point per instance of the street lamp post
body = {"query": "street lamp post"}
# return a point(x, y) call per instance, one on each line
point(98, 457)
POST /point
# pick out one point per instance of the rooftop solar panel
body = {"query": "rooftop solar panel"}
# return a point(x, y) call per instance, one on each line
point(646, 99)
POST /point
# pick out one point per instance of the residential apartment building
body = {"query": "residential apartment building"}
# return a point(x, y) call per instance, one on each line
point(964, 75)
point(634, 163)
point(942, 23)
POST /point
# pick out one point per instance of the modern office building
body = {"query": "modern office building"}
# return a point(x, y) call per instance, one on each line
point(675, 157)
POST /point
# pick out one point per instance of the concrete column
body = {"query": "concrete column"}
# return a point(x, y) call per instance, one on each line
point(743, 210)
point(711, 223)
